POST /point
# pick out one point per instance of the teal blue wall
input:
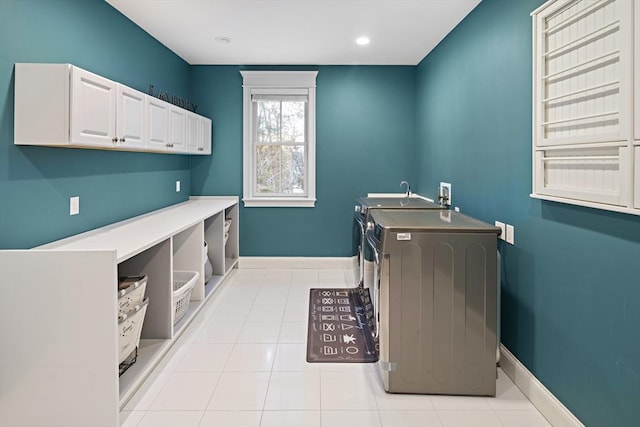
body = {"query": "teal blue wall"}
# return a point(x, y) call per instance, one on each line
point(571, 283)
point(571, 287)
point(36, 182)
point(365, 138)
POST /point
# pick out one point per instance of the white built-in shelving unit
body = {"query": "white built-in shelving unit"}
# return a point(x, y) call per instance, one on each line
point(584, 123)
point(58, 310)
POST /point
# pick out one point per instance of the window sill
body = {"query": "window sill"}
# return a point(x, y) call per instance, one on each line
point(276, 202)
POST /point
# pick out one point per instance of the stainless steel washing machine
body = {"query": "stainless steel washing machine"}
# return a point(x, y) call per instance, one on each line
point(435, 304)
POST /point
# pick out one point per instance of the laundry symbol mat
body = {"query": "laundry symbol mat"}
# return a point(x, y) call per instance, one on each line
point(340, 326)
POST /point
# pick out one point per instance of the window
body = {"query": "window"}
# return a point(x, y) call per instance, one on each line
point(279, 138)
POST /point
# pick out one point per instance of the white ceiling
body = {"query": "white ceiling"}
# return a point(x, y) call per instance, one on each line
point(286, 32)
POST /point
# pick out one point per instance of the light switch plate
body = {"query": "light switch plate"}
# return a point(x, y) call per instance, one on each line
point(177, 186)
point(510, 234)
point(74, 205)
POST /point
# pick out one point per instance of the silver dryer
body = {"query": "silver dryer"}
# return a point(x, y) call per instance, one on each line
point(435, 280)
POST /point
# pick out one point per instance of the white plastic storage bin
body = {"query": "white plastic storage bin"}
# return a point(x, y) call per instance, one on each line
point(130, 325)
point(130, 292)
point(183, 282)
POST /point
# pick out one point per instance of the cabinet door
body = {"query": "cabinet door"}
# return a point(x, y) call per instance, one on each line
point(130, 124)
point(636, 177)
point(93, 109)
point(158, 124)
point(636, 73)
point(178, 129)
point(204, 146)
point(582, 72)
point(193, 132)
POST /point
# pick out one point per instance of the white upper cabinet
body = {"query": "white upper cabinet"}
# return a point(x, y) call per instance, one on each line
point(167, 126)
point(193, 132)
point(198, 134)
point(41, 105)
point(636, 108)
point(106, 114)
point(204, 146)
point(636, 177)
point(131, 117)
point(93, 109)
point(177, 128)
point(158, 124)
point(583, 90)
point(636, 74)
point(66, 106)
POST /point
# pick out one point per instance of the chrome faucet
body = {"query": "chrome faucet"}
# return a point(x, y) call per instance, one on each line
point(408, 187)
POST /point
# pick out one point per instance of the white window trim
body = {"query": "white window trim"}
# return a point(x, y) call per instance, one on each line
point(284, 80)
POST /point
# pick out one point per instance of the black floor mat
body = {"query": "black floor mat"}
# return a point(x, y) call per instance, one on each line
point(340, 326)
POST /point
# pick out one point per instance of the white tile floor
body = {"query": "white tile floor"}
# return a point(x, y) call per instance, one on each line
point(242, 362)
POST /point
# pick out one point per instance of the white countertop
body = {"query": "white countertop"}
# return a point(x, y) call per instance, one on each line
point(134, 235)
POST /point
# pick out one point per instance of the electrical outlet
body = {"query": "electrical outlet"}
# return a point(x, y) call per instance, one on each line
point(177, 186)
point(444, 193)
point(510, 234)
point(74, 205)
point(503, 231)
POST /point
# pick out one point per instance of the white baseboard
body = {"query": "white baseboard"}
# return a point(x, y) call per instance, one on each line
point(297, 262)
point(549, 406)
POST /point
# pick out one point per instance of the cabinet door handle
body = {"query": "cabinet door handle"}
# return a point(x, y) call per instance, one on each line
point(114, 140)
point(200, 149)
point(121, 139)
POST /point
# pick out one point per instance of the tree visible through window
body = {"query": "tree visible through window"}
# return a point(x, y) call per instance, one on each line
point(280, 147)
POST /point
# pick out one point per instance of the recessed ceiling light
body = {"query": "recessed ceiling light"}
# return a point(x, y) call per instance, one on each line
point(223, 39)
point(363, 41)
